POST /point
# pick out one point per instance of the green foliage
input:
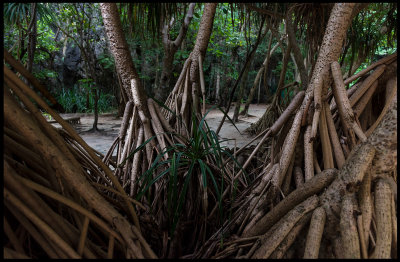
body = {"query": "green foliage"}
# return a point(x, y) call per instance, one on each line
point(14, 13)
point(45, 73)
point(74, 99)
point(225, 35)
point(17, 18)
point(148, 15)
point(69, 98)
point(187, 162)
point(181, 55)
point(106, 103)
point(19, 13)
point(106, 61)
point(373, 32)
point(47, 116)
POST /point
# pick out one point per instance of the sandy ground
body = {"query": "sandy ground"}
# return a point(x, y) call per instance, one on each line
point(110, 125)
point(228, 131)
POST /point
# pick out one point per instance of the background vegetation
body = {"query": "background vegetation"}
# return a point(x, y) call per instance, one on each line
point(65, 30)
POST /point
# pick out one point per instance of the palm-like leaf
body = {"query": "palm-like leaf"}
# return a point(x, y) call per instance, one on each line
point(14, 13)
point(202, 158)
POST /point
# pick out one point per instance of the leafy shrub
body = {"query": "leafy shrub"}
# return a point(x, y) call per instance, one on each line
point(197, 165)
point(74, 100)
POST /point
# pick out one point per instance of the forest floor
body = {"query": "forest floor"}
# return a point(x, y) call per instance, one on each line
point(109, 126)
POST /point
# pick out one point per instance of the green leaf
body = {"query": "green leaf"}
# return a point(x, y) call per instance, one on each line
point(215, 183)
point(181, 198)
point(203, 172)
point(172, 185)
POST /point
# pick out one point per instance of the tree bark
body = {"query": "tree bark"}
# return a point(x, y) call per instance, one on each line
point(314, 235)
point(170, 48)
point(120, 50)
point(202, 40)
point(240, 95)
point(95, 108)
point(32, 37)
point(260, 125)
point(313, 186)
point(383, 220)
point(184, 98)
point(348, 228)
point(335, 32)
point(217, 88)
point(296, 52)
point(71, 170)
point(264, 68)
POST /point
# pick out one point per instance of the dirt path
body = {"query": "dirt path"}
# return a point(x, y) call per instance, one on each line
point(228, 131)
point(109, 126)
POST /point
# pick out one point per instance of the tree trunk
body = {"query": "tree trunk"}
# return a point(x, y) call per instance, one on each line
point(296, 51)
point(240, 95)
point(202, 39)
point(154, 127)
point(90, 61)
point(129, 77)
point(217, 88)
point(332, 42)
point(246, 64)
point(260, 72)
point(170, 48)
point(273, 111)
point(95, 108)
point(245, 73)
point(296, 70)
point(120, 50)
point(157, 76)
point(189, 85)
point(32, 37)
point(228, 79)
point(329, 52)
